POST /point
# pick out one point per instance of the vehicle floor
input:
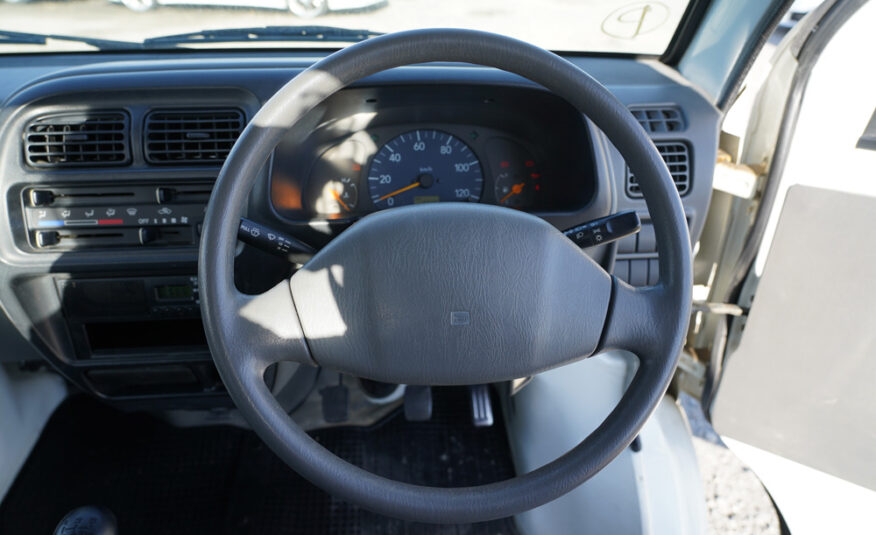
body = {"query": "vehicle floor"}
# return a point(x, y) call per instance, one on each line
point(159, 479)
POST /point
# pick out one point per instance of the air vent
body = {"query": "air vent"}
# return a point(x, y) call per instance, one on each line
point(78, 140)
point(659, 119)
point(191, 137)
point(677, 158)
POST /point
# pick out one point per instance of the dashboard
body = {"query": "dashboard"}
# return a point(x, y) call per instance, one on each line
point(107, 163)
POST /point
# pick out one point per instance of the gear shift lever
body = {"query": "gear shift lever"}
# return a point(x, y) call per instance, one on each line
point(88, 520)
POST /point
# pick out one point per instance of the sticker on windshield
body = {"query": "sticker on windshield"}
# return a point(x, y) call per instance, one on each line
point(633, 20)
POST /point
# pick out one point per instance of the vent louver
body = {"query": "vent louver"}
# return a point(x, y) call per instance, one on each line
point(659, 119)
point(677, 158)
point(191, 137)
point(91, 139)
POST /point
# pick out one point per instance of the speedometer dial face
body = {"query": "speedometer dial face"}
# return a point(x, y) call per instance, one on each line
point(424, 166)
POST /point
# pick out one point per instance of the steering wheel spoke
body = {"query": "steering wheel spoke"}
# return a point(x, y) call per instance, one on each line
point(265, 329)
point(637, 317)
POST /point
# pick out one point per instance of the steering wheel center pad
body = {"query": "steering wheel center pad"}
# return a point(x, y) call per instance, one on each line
point(450, 294)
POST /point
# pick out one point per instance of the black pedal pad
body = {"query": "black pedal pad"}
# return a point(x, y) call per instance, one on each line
point(481, 406)
point(418, 403)
point(335, 400)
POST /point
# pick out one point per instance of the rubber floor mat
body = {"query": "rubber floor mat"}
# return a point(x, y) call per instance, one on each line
point(159, 479)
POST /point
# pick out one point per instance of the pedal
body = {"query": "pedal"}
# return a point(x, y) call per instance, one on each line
point(334, 403)
point(481, 406)
point(418, 403)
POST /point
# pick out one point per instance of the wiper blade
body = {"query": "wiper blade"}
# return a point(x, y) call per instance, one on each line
point(267, 33)
point(21, 38)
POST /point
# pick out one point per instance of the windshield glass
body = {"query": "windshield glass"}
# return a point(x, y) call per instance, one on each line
point(563, 25)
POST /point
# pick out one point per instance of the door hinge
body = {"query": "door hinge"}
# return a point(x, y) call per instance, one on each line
point(720, 309)
point(690, 375)
point(736, 179)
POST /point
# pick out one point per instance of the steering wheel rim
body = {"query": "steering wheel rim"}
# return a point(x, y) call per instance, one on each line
point(246, 334)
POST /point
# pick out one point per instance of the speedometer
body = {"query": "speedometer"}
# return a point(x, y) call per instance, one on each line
point(424, 166)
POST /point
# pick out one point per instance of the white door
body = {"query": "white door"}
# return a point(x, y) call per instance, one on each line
point(797, 394)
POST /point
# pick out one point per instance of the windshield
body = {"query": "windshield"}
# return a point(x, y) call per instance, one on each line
point(619, 26)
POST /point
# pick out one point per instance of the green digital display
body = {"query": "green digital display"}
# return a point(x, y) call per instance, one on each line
point(420, 199)
point(174, 292)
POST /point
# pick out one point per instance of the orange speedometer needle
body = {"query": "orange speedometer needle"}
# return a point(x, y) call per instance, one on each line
point(400, 190)
point(338, 198)
point(515, 190)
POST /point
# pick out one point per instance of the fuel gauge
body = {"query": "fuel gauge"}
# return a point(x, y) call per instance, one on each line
point(516, 178)
point(333, 185)
point(338, 197)
point(514, 190)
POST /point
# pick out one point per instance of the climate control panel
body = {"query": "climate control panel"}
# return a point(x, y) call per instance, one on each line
point(80, 217)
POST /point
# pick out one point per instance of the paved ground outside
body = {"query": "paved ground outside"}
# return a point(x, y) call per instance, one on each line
point(736, 502)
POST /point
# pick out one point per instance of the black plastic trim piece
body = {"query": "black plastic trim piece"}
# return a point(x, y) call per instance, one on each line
point(764, 29)
point(684, 33)
point(868, 138)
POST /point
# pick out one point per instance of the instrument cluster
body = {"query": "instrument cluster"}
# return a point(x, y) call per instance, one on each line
point(521, 160)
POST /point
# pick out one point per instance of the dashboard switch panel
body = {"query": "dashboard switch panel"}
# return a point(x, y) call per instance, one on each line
point(81, 217)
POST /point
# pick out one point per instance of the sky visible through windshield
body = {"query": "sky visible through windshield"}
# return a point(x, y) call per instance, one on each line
point(562, 25)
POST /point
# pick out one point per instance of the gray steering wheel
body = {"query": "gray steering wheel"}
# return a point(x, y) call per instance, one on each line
point(419, 295)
